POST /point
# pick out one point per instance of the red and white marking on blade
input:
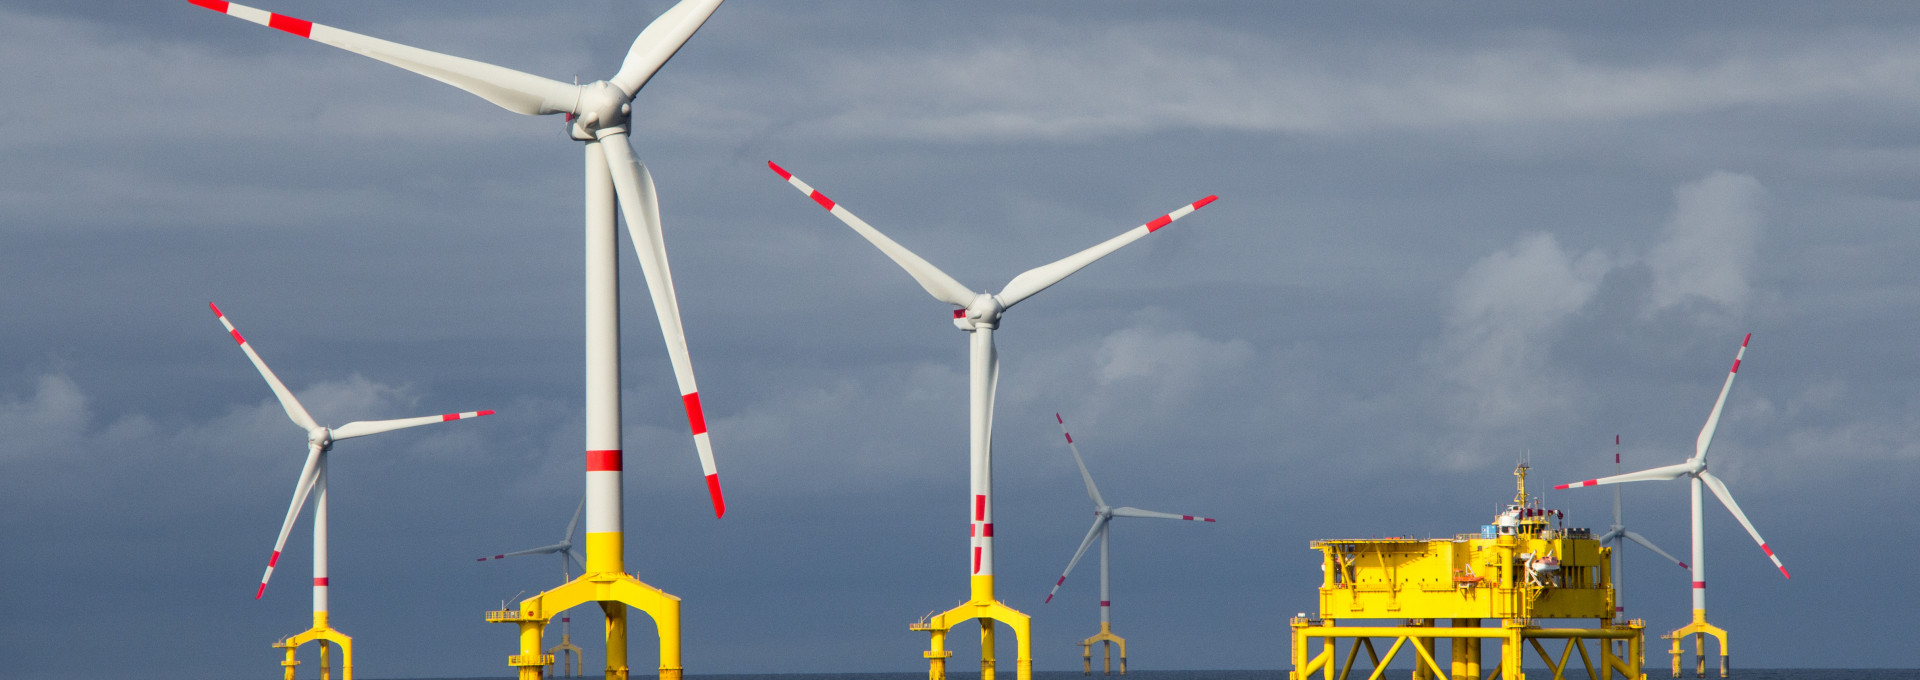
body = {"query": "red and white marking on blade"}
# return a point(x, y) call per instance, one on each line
point(299, 27)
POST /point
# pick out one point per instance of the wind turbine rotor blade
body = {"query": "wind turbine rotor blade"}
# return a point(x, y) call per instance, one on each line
point(1664, 472)
point(1726, 498)
point(362, 428)
point(660, 41)
point(1713, 419)
point(543, 550)
point(1039, 278)
point(1136, 512)
point(641, 207)
point(294, 410)
point(308, 473)
point(936, 282)
point(512, 90)
point(575, 522)
point(578, 559)
point(1093, 492)
point(1642, 540)
point(1099, 525)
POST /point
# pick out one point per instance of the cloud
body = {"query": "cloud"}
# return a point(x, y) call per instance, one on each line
point(1709, 243)
point(1042, 80)
point(1502, 318)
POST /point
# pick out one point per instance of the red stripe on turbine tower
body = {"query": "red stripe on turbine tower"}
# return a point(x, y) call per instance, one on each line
point(696, 417)
point(976, 560)
point(299, 27)
point(603, 461)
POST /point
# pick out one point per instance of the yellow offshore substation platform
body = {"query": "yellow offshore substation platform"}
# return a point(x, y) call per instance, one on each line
point(1520, 571)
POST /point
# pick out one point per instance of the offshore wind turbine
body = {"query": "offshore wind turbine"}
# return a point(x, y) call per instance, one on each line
point(313, 482)
point(568, 556)
point(1103, 515)
point(599, 115)
point(979, 314)
point(1694, 469)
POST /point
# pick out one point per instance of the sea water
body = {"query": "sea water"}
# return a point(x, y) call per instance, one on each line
point(1653, 673)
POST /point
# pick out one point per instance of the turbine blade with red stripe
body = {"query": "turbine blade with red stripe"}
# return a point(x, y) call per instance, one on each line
point(1039, 278)
point(660, 41)
point(1093, 492)
point(1099, 525)
point(1136, 512)
point(641, 207)
point(1713, 419)
point(1726, 498)
point(294, 410)
point(1642, 540)
point(308, 473)
point(512, 90)
point(1664, 472)
point(936, 282)
point(362, 428)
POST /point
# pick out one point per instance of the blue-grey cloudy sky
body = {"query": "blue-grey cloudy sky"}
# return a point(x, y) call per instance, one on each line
point(1448, 234)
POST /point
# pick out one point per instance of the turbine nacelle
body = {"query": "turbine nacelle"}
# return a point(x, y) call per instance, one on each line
point(320, 437)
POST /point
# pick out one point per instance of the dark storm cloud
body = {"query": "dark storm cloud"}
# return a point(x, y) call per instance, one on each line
point(1448, 235)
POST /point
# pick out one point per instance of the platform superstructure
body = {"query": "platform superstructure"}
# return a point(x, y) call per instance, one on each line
point(1515, 582)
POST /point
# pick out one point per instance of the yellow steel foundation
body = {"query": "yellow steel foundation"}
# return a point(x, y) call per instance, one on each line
point(1521, 570)
point(987, 610)
point(1699, 630)
point(572, 658)
point(323, 634)
point(1107, 640)
point(615, 591)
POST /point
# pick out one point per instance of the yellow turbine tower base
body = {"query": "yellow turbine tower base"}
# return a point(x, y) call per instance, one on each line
point(1699, 630)
point(324, 635)
point(614, 591)
point(987, 610)
point(1106, 664)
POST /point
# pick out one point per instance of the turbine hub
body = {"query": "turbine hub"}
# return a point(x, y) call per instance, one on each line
point(602, 106)
point(321, 437)
point(983, 312)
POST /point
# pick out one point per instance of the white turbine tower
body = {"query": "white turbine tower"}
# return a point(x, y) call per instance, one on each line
point(979, 315)
point(1695, 470)
point(313, 482)
point(568, 556)
point(599, 114)
point(1103, 514)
